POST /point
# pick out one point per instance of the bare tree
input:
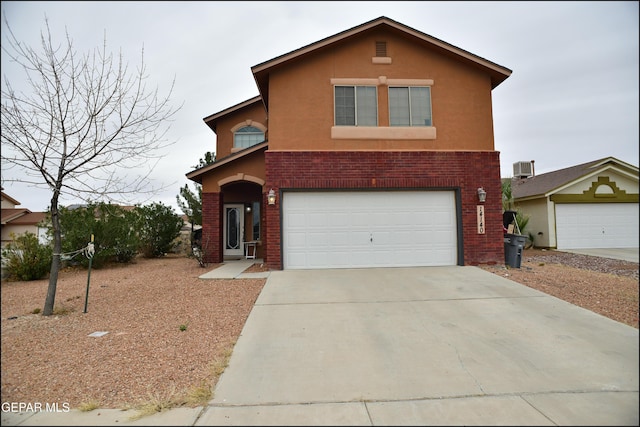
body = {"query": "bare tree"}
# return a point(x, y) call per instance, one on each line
point(85, 124)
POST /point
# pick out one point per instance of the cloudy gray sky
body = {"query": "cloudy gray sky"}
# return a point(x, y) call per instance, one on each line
point(572, 97)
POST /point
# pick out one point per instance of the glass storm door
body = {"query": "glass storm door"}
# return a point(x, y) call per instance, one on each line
point(233, 230)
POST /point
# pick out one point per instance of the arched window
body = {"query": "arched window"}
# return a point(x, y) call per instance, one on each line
point(247, 136)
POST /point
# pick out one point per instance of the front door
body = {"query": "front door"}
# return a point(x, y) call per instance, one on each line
point(233, 230)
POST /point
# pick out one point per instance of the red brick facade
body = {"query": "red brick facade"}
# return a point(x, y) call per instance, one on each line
point(462, 171)
point(211, 227)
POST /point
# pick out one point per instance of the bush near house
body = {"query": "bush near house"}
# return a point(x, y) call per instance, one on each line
point(158, 228)
point(113, 229)
point(119, 235)
point(25, 258)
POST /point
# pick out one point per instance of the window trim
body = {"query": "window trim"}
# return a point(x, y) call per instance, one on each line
point(381, 81)
point(241, 125)
point(382, 132)
point(355, 92)
point(411, 125)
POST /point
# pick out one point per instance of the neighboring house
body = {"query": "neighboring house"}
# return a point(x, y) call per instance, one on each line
point(20, 220)
point(185, 233)
point(591, 205)
point(365, 149)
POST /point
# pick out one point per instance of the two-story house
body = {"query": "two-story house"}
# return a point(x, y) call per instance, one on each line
point(373, 147)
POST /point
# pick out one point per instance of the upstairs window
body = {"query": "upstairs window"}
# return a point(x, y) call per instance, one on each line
point(410, 106)
point(247, 136)
point(356, 106)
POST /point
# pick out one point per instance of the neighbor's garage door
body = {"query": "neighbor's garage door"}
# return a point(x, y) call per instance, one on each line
point(597, 225)
point(368, 229)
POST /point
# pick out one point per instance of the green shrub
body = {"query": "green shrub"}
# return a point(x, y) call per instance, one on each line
point(158, 228)
point(113, 228)
point(25, 258)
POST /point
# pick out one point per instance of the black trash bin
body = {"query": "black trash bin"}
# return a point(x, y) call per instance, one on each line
point(513, 247)
point(508, 217)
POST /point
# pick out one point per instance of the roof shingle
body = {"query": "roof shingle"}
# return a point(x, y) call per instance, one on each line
point(542, 184)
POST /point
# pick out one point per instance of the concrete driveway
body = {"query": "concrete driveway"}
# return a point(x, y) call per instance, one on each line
point(423, 346)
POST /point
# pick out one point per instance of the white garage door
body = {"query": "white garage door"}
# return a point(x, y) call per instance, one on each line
point(597, 225)
point(368, 229)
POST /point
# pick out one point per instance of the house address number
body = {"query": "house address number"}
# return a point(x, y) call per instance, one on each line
point(480, 219)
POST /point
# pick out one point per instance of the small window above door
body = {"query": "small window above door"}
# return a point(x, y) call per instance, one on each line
point(247, 136)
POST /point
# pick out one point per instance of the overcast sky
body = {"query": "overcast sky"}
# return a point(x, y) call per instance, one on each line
point(572, 96)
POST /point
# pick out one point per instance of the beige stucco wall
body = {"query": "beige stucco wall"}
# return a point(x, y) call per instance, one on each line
point(538, 212)
point(6, 204)
point(21, 229)
point(253, 114)
point(301, 107)
point(251, 166)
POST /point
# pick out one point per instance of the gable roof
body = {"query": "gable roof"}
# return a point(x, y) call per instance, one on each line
point(10, 214)
point(212, 120)
point(30, 218)
point(548, 183)
point(9, 198)
point(22, 216)
point(196, 175)
point(261, 71)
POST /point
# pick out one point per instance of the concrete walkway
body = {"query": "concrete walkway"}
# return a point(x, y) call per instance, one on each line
point(234, 269)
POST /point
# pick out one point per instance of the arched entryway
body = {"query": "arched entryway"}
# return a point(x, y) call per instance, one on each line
point(242, 219)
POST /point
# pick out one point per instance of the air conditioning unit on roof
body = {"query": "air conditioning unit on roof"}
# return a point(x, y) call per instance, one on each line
point(522, 169)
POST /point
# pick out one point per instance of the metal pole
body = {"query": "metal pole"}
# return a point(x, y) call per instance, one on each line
point(90, 252)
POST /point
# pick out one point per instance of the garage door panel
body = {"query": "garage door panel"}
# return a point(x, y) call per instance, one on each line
point(296, 258)
point(339, 239)
point(317, 260)
point(317, 220)
point(339, 219)
point(297, 240)
point(441, 237)
point(297, 219)
point(423, 235)
point(597, 225)
point(364, 229)
point(318, 238)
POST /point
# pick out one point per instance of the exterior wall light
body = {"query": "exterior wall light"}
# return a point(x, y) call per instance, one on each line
point(482, 195)
point(271, 197)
